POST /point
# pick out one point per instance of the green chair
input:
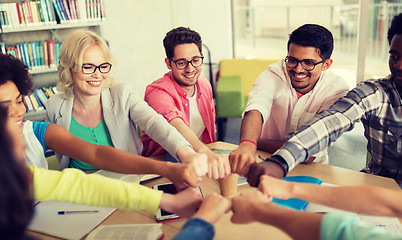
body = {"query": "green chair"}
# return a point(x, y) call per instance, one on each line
point(236, 79)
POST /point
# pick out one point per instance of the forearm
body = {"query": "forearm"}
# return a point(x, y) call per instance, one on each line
point(189, 135)
point(251, 126)
point(115, 160)
point(360, 199)
point(298, 225)
point(270, 145)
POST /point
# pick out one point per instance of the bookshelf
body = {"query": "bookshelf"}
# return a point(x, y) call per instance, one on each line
point(33, 30)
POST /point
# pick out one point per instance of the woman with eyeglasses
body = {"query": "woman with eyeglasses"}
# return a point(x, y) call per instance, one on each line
point(94, 108)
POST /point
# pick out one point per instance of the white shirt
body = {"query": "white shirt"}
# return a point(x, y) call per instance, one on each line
point(33, 149)
point(196, 122)
point(275, 98)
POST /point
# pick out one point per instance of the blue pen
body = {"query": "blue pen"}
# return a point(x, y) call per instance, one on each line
point(68, 212)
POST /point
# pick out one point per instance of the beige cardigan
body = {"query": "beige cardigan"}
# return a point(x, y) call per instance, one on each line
point(123, 111)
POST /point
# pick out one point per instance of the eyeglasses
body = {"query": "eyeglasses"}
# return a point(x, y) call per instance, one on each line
point(88, 68)
point(308, 65)
point(183, 63)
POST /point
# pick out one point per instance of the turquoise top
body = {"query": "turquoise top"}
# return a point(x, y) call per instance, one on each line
point(98, 135)
point(344, 226)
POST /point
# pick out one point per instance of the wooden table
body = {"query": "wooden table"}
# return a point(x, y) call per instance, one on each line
point(224, 229)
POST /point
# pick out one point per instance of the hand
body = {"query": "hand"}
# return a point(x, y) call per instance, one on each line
point(263, 168)
point(198, 160)
point(218, 165)
point(242, 158)
point(183, 175)
point(184, 203)
point(244, 204)
point(213, 207)
point(274, 187)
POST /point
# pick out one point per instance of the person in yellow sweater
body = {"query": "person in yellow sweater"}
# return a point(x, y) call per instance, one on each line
point(20, 185)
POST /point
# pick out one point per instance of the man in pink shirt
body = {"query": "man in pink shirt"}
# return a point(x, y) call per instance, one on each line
point(287, 94)
point(185, 99)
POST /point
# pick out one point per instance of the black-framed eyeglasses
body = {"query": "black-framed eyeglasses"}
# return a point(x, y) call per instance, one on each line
point(308, 65)
point(183, 63)
point(89, 68)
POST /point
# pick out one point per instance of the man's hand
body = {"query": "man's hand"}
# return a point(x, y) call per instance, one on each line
point(244, 206)
point(213, 207)
point(184, 203)
point(242, 158)
point(183, 175)
point(263, 168)
point(218, 165)
point(274, 187)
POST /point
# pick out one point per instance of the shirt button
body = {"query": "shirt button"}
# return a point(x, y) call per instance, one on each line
point(186, 104)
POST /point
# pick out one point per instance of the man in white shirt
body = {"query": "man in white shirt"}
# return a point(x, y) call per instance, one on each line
point(287, 94)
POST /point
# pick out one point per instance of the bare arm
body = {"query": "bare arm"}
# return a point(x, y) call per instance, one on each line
point(218, 165)
point(270, 145)
point(243, 156)
point(112, 159)
point(370, 200)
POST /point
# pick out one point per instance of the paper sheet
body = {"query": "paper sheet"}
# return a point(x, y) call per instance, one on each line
point(70, 226)
point(127, 232)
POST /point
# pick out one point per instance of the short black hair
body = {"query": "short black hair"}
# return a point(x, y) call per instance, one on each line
point(313, 35)
point(396, 27)
point(180, 35)
point(16, 200)
point(12, 69)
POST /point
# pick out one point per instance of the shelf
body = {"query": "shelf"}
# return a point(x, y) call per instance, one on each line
point(52, 26)
point(43, 70)
point(35, 116)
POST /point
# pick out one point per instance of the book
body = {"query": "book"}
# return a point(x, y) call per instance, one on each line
point(152, 231)
point(295, 203)
point(28, 104)
point(51, 11)
point(67, 9)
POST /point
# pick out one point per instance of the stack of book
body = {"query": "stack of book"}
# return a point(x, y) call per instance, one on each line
point(36, 55)
point(47, 12)
point(37, 100)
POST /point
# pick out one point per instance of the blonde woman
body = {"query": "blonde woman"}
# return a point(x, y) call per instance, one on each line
point(94, 108)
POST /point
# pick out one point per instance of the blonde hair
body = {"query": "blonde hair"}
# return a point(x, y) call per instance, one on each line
point(70, 59)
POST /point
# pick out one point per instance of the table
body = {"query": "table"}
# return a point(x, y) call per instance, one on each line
point(224, 228)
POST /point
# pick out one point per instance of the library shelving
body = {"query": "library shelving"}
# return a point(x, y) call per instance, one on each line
point(33, 30)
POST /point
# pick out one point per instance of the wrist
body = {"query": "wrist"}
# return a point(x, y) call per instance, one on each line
point(279, 161)
point(183, 153)
point(248, 145)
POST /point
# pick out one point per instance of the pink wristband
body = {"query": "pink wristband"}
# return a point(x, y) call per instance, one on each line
point(246, 140)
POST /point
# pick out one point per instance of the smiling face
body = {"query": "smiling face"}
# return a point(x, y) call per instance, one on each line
point(90, 84)
point(12, 99)
point(187, 77)
point(302, 80)
point(395, 59)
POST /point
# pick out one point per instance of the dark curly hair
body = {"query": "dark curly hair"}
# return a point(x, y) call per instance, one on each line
point(12, 69)
point(396, 27)
point(16, 204)
point(313, 35)
point(180, 35)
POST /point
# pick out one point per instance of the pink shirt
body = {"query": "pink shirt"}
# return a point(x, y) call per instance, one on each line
point(170, 100)
point(282, 110)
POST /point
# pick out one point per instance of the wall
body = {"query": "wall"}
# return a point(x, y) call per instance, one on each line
point(135, 30)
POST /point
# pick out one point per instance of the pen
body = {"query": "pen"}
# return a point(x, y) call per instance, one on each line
point(68, 212)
